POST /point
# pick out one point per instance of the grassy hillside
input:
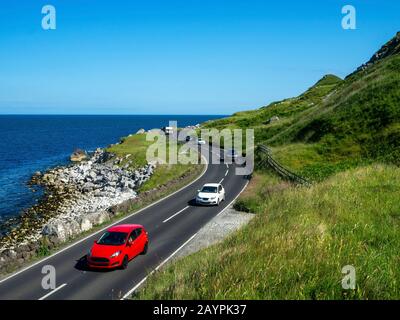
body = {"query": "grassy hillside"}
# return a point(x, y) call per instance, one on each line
point(298, 243)
point(344, 135)
point(287, 111)
point(335, 125)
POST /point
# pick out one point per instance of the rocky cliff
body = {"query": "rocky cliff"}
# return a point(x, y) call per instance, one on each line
point(392, 47)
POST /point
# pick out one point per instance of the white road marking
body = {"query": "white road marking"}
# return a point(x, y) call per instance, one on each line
point(53, 291)
point(166, 220)
point(105, 228)
point(226, 173)
point(227, 165)
point(156, 269)
point(221, 180)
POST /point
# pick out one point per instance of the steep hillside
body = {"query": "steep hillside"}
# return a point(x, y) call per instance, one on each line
point(335, 124)
point(269, 120)
point(391, 48)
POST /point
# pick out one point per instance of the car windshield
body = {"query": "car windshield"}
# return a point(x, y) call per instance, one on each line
point(113, 238)
point(209, 189)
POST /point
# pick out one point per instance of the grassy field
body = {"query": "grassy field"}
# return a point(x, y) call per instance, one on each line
point(135, 145)
point(298, 243)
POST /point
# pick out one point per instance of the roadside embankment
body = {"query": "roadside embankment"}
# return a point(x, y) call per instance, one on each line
point(298, 243)
point(215, 231)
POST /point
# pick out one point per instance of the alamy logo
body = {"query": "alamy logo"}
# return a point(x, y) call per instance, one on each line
point(349, 280)
point(349, 21)
point(168, 149)
point(49, 280)
point(49, 20)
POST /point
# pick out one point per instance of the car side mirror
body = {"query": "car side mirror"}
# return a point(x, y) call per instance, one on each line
point(129, 243)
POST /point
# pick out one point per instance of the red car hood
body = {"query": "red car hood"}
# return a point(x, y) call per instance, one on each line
point(104, 251)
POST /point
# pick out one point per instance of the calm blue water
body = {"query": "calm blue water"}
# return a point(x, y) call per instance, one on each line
point(36, 143)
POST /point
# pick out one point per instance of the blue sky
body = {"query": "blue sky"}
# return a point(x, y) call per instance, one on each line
point(178, 57)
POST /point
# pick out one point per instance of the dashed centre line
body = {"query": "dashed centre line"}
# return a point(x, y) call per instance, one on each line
point(174, 215)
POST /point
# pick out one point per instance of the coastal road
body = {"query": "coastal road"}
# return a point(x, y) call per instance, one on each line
point(171, 223)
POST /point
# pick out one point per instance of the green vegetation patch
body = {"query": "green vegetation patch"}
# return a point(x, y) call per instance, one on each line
point(134, 145)
point(297, 245)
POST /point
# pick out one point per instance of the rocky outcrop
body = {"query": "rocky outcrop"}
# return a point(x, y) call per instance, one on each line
point(272, 120)
point(392, 47)
point(141, 131)
point(78, 155)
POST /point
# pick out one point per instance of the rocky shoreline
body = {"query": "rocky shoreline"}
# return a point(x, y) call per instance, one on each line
point(76, 198)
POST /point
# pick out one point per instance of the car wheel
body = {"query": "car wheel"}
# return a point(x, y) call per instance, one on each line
point(145, 248)
point(125, 262)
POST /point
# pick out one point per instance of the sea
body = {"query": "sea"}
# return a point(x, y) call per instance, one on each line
point(31, 143)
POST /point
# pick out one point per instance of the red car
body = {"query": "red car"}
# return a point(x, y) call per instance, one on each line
point(117, 246)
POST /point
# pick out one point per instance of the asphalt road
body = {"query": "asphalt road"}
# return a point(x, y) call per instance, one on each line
point(169, 227)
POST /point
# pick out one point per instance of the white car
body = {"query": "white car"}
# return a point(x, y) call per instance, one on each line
point(211, 194)
point(201, 141)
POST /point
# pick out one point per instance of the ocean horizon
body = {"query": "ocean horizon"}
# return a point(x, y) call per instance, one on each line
point(38, 142)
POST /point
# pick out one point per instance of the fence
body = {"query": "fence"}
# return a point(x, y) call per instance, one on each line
point(278, 168)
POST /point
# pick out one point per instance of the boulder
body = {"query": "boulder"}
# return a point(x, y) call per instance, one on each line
point(78, 155)
point(55, 229)
point(85, 224)
point(273, 119)
point(99, 217)
point(140, 131)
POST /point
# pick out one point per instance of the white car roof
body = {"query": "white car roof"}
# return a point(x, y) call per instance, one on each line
point(211, 185)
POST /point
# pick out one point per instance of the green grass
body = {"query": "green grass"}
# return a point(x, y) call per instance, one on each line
point(135, 145)
point(165, 173)
point(298, 243)
point(261, 188)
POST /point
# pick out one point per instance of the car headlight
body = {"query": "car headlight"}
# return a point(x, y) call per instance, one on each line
point(213, 198)
point(115, 254)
